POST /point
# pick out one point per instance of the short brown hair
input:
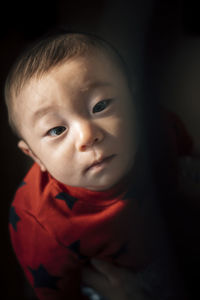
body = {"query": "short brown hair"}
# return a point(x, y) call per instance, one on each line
point(47, 53)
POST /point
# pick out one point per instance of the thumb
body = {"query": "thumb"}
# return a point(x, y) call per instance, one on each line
point(105, 268)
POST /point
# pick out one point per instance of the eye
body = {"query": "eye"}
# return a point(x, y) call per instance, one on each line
point(56, 131)
point(101, 105)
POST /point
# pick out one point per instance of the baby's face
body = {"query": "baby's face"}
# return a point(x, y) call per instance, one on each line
point(78, 122)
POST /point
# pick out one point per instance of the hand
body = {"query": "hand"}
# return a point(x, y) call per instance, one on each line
point(112, 282)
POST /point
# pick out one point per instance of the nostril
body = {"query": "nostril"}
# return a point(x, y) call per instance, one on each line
point(83, 148)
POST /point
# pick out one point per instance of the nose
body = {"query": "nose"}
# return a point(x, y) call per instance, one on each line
point(89, 134)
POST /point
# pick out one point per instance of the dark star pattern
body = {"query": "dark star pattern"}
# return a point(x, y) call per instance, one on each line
point(14, 218)
point(22, 184)
point(42, 279)
point(70, 201)
point(75, 247)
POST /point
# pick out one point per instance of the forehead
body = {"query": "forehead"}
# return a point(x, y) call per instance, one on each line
point(95, 66)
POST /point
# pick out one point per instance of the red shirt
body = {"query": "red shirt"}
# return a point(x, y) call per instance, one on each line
point(55, 229)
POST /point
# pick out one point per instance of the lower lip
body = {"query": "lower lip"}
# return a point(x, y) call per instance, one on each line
point(102, 165)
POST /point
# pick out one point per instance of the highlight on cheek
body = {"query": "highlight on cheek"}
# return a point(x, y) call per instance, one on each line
point(56, 131)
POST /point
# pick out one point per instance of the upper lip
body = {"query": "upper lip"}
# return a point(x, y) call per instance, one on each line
point(98, 161)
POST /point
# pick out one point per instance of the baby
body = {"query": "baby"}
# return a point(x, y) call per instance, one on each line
point(70, 102)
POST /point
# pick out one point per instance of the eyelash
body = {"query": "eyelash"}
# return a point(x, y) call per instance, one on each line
point(106, 102)
point(56, 128)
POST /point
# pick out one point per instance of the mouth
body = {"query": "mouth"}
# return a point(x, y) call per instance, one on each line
point(98, 164)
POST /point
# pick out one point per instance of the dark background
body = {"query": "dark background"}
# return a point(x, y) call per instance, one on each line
point(143, 31)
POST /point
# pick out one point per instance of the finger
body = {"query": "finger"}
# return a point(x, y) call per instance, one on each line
point(106, 269)
point(115, 274)
point(99, 283)
point(94, 279)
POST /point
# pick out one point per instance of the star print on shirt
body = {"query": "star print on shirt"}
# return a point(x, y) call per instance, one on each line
point(70, 201)
point(14, 218)
point(22, 184)
point(75, 247)
point(42, 279)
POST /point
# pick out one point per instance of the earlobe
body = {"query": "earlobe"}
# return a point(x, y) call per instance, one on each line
point(27, 150)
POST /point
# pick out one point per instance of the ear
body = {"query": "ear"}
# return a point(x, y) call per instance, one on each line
point(27, 150)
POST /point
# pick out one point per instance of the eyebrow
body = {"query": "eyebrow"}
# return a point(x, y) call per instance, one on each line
point(41, 112)
point(97, 84)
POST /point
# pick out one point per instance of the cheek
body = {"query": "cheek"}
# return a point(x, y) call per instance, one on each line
point(54, 156)
point(127, 138)
point(113, 126)
point(122, 130)
point(125, 128)
point(63, 155)
point(60, 163)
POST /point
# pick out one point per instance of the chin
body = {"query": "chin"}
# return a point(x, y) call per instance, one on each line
point(105, 185)
point(98, 189)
